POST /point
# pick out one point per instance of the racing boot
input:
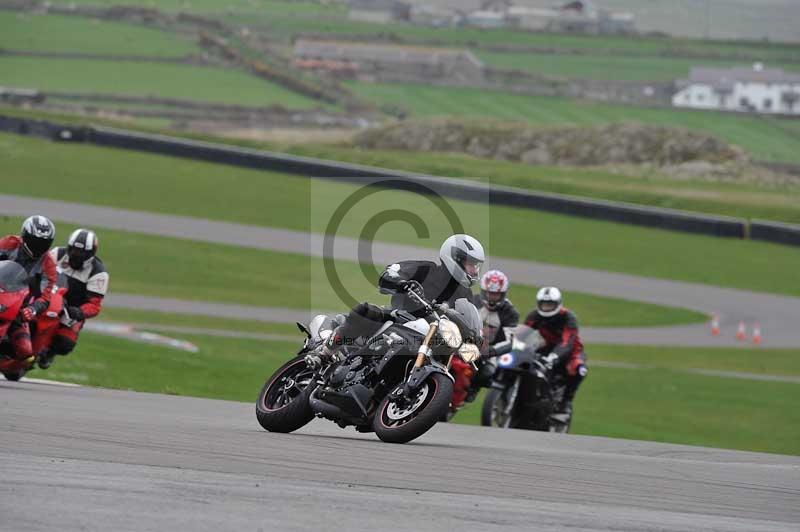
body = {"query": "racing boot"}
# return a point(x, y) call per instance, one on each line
point(45, 359)
point(325, 354)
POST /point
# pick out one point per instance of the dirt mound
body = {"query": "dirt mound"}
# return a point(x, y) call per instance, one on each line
point(626, 143)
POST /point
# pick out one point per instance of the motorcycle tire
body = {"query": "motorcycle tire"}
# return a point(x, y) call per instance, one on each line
point(291, 415)
point(14, 376)
point(489, 401)
point(390, 428)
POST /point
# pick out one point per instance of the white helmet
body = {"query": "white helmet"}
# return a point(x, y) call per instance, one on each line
point(548, 301)
point(463, 257)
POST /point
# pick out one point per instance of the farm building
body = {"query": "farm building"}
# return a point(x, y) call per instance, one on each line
point(756, 89)
point(378, 11)
point(579, 16)
point(389, 62)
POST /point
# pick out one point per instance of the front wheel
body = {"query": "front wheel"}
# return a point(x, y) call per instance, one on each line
point(14, 376)
point(282, 404)
point(496, 411)
point(396, 423)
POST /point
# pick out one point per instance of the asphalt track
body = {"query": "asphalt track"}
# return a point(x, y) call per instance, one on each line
point(778, 315)
point(94, 459)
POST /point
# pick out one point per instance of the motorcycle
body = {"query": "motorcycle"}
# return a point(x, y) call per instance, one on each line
point(524, 393)
point(395, 383)
point(13, 293)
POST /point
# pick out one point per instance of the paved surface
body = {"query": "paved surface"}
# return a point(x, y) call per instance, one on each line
point(778, 315)
point(93, 459)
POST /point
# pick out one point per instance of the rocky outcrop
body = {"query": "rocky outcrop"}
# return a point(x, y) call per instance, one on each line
point(625, 143)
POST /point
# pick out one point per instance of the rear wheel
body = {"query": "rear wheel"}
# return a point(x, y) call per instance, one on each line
point(397, 422)
point(282, 404)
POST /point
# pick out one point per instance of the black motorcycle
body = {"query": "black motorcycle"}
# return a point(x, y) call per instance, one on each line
point(524, 393)
point(396, 383)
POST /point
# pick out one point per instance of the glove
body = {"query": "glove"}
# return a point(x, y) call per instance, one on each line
point(76, 313)
point(490, 352)
point(550, 360)
point(28, 313)
point(412, 286)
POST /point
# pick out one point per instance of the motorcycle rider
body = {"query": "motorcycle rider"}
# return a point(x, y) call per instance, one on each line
point(87, 285)
point(29, 250)
point(497, 313)
point(461, 257)
point(558, 327)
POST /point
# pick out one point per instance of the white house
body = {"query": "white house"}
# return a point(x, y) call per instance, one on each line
point(757, 89)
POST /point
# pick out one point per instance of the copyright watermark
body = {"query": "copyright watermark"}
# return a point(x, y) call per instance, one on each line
point(366, 227)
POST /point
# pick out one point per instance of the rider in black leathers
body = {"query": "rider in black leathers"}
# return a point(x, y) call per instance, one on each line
point(461, 259)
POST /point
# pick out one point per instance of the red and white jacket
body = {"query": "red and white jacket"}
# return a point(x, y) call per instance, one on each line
point(86, 287)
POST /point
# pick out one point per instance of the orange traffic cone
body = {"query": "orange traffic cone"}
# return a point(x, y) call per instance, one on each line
point(757, 334)
point(714, 325)
point(741, 332)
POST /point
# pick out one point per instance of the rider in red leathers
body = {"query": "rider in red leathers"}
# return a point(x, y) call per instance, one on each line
point(29, 250)
point(558, 327)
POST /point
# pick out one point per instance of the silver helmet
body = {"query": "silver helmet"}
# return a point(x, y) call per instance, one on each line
point(463, 257)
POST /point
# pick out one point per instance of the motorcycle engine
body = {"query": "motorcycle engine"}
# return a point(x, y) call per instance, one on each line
point(351, 371)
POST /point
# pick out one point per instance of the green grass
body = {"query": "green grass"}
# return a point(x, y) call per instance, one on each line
point(661, 402)
point(146, 265)
point(764, 138)
point(197, 83)
point(146, 317)
point(655, 404)
point(748, 359)
point(608, 67)
point(54, 33)
point(120, 178)
point(224, 368)
point(741, 200)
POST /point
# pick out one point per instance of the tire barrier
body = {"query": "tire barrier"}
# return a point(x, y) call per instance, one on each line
point(627, 213)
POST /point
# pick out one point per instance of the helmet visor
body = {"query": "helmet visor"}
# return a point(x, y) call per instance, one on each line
point(37, 246)
point(77, 257)
point(494, 297)
point(548, 306)
point(472, 267)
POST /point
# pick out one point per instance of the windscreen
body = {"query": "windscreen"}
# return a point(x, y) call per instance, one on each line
point(470, 314)
point(13, 277)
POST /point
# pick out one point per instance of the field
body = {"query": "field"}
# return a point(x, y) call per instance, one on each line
point(216, 85)
point(764, 138)
point(63, 34)
point(606, 67)
point(141, 181)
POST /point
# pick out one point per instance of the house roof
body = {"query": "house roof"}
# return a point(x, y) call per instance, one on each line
point(726, 77)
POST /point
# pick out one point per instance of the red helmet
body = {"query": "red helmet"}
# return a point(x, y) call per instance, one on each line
point(494, 287)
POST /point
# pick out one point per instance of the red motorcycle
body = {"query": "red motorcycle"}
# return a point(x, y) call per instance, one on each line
point(13, 293)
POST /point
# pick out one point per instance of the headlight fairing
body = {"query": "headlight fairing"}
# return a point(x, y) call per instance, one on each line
point(450, 333)
point(469, 353)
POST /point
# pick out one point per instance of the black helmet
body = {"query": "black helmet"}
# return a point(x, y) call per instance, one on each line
point(37, 235)
point(81, 248)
